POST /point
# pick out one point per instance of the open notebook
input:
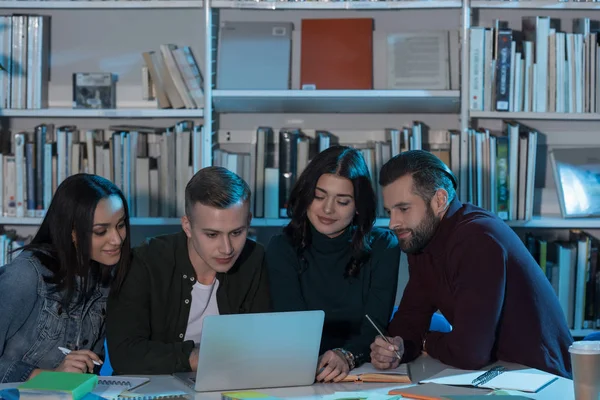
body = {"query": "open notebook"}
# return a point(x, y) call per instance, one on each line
point(368, 373)
point(110, 387)
point(522, 380)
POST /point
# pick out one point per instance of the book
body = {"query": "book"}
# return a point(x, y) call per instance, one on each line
point(521, 380)
point(324, 64)
point(63, 385)
point(368, 373)
point(243, 395)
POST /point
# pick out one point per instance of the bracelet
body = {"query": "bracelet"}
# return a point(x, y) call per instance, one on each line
point(348, 356)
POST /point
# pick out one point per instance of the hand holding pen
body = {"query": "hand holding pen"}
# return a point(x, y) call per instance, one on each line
point(386, 352)
point(78, 361)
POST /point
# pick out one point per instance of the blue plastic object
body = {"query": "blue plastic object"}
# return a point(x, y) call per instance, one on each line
point(439, 323)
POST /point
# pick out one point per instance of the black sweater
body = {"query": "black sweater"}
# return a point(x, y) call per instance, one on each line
point(146, 322)
point(320, 284)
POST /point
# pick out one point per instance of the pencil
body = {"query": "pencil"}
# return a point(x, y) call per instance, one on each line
point(382, 335)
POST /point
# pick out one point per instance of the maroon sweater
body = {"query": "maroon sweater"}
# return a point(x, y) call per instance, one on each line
point(479, 274)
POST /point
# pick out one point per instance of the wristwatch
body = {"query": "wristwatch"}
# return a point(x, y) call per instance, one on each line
point(348, 356)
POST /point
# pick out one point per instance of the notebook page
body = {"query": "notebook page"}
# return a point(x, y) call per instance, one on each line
point(368, 368)
point(451, 376)
point(509, 380)
point(521, 381)
point(110, 387)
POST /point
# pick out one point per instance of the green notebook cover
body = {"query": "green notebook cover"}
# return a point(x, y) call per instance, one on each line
point(78, 385)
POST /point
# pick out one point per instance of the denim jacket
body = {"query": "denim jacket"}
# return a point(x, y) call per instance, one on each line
point(33, 323)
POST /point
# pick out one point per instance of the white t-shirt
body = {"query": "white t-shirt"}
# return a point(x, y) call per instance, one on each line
point(204, 302)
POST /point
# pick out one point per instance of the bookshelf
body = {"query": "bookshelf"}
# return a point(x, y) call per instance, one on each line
point(556, 222)
point(131, 113)
point(234, 109)
point(558, 129)
point(134, 221)
point(535, 5)
point(336, 5)
point(336, 101)
point(137, 221)
point(536, 116)
point(99, 5)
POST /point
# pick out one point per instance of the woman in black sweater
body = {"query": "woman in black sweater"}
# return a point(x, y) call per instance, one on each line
point(330, 258)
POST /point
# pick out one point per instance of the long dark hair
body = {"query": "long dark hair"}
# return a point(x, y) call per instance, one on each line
point(344, 162)
point(72, 210)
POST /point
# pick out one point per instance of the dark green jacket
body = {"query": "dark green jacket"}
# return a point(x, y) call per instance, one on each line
point(146, 323)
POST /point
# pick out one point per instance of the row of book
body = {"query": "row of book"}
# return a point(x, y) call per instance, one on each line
point(498, 170)
point(150, 165)
point(173, 77)
point(10, 243)
point(271, 162)
point(24, 43)
point(414, 60)
point(571, 266)
point(537, 69)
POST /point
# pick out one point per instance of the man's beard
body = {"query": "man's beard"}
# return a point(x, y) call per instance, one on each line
point(421, 235)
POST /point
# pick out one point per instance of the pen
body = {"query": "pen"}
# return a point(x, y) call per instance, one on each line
point(382, 335)
point(66, 351)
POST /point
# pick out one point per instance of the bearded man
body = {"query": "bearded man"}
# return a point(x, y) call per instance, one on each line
point(467, 263)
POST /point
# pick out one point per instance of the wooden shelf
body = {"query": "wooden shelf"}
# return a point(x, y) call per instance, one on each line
point(557, 222)
point(336, 101)
point(98, 4)
point(107, 113)
point(336, 5)
point(536, 5)
point(535, 115)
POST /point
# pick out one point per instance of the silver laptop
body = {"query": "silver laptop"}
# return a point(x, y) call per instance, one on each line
point(254, 55)
point(252, 351)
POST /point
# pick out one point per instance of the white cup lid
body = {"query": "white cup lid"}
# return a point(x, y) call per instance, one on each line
point(585, 347)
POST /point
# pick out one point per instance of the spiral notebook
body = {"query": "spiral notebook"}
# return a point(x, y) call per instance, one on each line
point(110, 387)
point(529, 380)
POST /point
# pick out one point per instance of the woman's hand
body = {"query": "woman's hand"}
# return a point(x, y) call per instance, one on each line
point(81, 361)
point(333, 367)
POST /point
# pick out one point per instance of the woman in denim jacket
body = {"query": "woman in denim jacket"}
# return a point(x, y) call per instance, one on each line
point(54, 293)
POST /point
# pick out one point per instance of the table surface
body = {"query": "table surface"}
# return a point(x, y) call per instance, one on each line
point(422, 368)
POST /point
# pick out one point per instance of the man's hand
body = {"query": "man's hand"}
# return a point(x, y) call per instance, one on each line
point(333, 367)
point(382, 353)
point(81, 361)
point(194, 358)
